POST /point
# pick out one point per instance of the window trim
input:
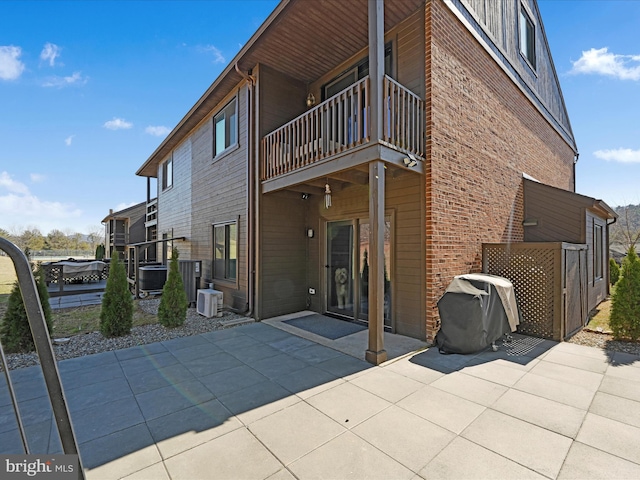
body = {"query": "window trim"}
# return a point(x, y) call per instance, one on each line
point(525, 13)
point(224, 279)
point(167, 166)
point(598, 251)
point(231, 146)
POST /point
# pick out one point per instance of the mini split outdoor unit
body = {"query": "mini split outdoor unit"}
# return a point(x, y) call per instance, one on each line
point(209, 303)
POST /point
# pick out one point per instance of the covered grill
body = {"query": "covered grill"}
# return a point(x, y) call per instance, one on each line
point(475, 311)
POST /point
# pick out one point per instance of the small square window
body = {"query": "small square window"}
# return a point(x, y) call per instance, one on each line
point(527, 37)
point(167, 174)
point(225, 128)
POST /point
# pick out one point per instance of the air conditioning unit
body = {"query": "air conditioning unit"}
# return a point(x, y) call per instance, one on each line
point(209, 303)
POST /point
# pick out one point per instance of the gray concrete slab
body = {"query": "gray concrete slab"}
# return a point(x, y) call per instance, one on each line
point(258, 401)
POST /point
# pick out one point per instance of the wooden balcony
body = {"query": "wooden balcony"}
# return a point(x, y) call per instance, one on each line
point(340, 125)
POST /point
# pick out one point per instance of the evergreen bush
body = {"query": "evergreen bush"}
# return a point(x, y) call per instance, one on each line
point(614, 271)
point(15, 331)
point(625, 302)
point(172, 311)
point(116, 314)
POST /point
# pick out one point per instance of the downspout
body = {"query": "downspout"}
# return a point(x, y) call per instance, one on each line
point(251, 83)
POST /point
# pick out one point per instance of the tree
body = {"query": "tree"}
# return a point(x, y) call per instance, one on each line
point(172, 311)
point(626, 230)
point(625, 302)
point(614, 272)
point(15, 331)
point(116, 314)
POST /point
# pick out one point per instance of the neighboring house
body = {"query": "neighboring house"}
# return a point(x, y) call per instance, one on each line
point(416, 120)
point(129, 226)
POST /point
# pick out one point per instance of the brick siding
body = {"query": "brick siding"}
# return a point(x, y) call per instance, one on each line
point(482, 135)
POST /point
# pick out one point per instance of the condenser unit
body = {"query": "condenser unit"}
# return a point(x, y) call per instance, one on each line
point(209, 303)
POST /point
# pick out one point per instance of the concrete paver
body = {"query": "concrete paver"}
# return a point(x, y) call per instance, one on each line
point(259, 401)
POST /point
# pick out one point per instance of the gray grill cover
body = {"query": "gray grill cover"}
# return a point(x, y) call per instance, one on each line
point(473, 313)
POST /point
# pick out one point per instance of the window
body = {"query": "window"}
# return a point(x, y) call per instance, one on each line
point(225, 128)
point(225, 251)
point(527, 37)
point(167, 173)
point(597, 252)
point(355, 73)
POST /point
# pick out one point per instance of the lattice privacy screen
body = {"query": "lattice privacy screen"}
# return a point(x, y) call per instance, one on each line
point(531, 270)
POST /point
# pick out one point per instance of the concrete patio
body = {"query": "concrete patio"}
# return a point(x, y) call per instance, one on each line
point(268, 400)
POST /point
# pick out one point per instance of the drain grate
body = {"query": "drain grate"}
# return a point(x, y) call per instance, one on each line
point(521, 346)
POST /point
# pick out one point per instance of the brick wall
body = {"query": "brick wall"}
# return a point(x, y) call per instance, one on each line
point(482, 135)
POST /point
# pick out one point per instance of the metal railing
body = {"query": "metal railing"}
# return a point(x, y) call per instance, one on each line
point(44, 349)
point(342, 123)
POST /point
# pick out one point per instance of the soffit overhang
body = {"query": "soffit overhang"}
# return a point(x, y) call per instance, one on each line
point(301, 38)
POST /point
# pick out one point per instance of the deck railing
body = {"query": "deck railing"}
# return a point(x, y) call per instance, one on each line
point(340, 124)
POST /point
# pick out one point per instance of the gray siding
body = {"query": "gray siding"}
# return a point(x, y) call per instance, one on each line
point(219, 194)
point(174, 203)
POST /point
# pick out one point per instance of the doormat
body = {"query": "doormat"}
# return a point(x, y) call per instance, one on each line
point(327, 327)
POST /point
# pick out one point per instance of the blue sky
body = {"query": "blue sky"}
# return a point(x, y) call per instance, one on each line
point(88, 90)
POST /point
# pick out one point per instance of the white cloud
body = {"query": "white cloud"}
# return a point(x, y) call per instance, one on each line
point(19, 206)
point(157, 131)
point(37, 177)
point(13, 186)
point(215, 52)
point(10, 65)
point(622, 155)
point(68, 140)
point(602, 62)
point(75, 79)
point(117, 124)
point(49, 53)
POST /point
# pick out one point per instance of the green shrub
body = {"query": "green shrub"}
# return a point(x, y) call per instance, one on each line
point(614, 271)
point(625, 302)
point(15, 332)
point(116, 314)
point(100, 252)
point(172, 311)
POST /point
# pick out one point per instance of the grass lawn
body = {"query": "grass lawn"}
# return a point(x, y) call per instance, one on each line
point(7, 277)
point(599, 319)
point(73, 321)
point(69, 321)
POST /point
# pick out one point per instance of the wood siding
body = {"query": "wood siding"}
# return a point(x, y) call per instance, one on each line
point(559, 214)
point(499, 21)
point(220, 194)
point(405, 202)
point(174, 203)
point(283, 251)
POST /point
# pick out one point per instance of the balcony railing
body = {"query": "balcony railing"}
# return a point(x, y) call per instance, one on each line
point(152, 211)
point(340, 124)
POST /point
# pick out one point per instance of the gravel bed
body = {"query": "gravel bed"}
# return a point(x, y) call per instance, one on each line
point(95, 342)
point(604, 341)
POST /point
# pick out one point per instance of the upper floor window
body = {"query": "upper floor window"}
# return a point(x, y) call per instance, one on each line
point(225, 128)
point(527, 37)
point(167, 173)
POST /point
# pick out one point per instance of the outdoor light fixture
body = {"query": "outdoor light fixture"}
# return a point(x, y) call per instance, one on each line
point(327, 195)
point(530, 222)
point(410, 161)
point(310, 232)
point(305, 196)
point(311, 100)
